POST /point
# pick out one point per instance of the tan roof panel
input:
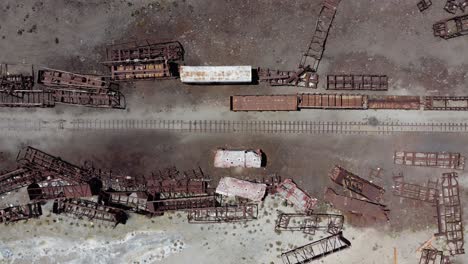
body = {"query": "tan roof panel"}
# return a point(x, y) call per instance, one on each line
point(264, 103)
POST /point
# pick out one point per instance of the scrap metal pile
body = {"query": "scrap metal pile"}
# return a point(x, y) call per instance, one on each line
point(444, 196)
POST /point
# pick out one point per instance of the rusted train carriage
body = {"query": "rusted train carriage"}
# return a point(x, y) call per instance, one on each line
point(264, 103)
point(57, 78)
point(401, 102)
point(333, 101)
point(132, 72)
point(145, 51)
point(452, 27)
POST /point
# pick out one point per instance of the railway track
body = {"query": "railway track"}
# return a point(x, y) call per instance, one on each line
point(225, 126)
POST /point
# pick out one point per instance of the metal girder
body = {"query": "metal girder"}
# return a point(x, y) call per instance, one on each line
point(80, 208)
point(19, 178)
point(34, 158)
point(316, 47)
point(109, 99)
point(309, 223)
point(186, 203)
point(26, 98)
point(449, 214)
point(223, 214)
point(144, 52)
point(316, 250)
point(356, 184)
point(20, 212)
point(57, 78)
point(303, 77)
point(357, 82)
point(445, 160)
point(356, 206)
point(429, 193)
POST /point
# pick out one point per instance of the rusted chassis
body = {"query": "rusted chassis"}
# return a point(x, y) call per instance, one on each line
point(19, 178)
point(429, 193)
point(160, 206)
point(445, 160)
point(93, 211)
point(356, 184)
point(144, 52)
point(316, 250)
point(309, 223)
point(449, 214)
point(357, 82)
point(57, 78)
point(223, 214)
point(35, 158)
point(20, 212)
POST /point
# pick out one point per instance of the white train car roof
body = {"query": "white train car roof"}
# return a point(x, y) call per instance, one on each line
point(215, 74)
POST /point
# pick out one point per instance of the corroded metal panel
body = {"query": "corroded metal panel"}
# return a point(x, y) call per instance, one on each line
point(264, 103)
point(450, 103)
point(402, 102)
point(20, 212)
point(57, 78)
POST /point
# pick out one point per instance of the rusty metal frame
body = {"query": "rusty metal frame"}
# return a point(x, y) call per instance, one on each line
point(186, 203)
point(440, 28)
point(19, 178)
point(122, 183)
point(131, 72)
point(145, 51)
point(423, 5)
point(429, 193)
point(449, 214)
point(80, 208)
point(440, 103)
point(20, 212)
point(356, 184)
point(223, 214)
point(445, 160)
point(26, 98)
point(316, 250)
point(35, 158)
point(303, 77)
point(309, 223)
point(126, 200)
point(357, 82)
point(433, 256)
point(356, 206)
point(317, 44)
point(58, 78)
point(109, 99)
point(51, 191)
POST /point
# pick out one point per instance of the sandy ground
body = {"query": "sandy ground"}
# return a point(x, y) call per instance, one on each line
point(387, 37)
